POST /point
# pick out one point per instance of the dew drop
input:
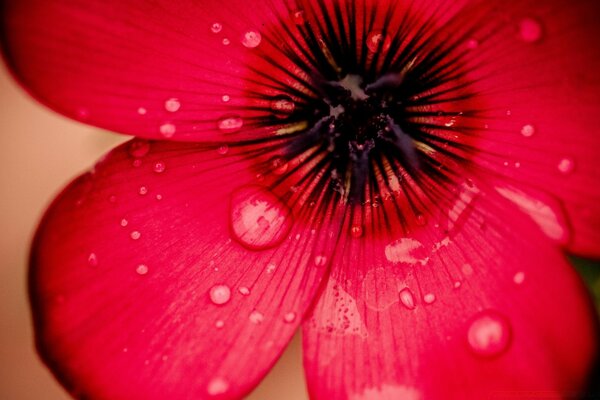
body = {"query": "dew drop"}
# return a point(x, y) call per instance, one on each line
point(135, 235)
point(244, 290)
point(159, 197)
point(143, 190)
point(220, 294)
point(467, 269)
point(93, 260)
point(489, 334)
point(219, 324)
point(167, 130)
point(226, 42)
point(356, 231)
point(256, 317)
point(124, 222)
point(280, 166)
point(282, 106)
point(216, 27)
point(222, 150)
point(225, 98)
point(320, 261)
point(530, 30)
point(289, 317)
point(566, 166)
point(258, 219)
point(528, 130)
point(172, 105)
point(217, 386)
point(230, 123)
point(251, 39)
point(457, 284)
point(378, 41)
point(141, 269)
point(271, 268)
point(138, 148)
point(519, 277)
point(142, 111)
point(429, 298)
point(407, 298)
point(298, 17)
point(159, 167)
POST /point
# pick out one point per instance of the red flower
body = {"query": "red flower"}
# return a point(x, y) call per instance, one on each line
point(398, 177)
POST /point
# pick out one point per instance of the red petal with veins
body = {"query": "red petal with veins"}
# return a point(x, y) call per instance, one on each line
point(484, 310)
point(168, 273)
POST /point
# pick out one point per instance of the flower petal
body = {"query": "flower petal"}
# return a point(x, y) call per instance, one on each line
point(477, 312)
point(169, 272)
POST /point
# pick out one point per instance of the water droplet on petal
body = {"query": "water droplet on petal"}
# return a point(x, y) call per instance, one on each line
point(93, 260)
point(489, 334)
point(217, 386)
point(407, 298)
point(519, 277)
point(135, 235)
point(457, 284)
point(282, 106)
point(124, 222)
point(231, 123)
point(467, 269)
point(244, 290)
point(256, 317)
point(378, 41)
point(216, 27)
point(222, 150)
point(167, 130)
point(138, 148)
point(280, 166)
point(142, 111)
point(528, 130)
point(251, 39)
point(289, 317)
point(141, 269)
point(530, 30)
point(220, 294)
point(159, 167)
point(320, 261)
point(226, 42)
point(356, 231)
point(219, 324)
point(225, 98)
point(143, 190)
point(566, 165)
point(259, 220)
point(271, 268)
point(298, 17)
point(429, 298)
point(172, 105)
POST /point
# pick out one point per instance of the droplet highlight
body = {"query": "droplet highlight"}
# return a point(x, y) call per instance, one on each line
point(220, 294)
point(141, 269)
point(489, 334)
point(230, 124)
point(216, 27)
point(407, 298)
point(256, 317)
point(172, 105)
point(159, 167)
point(251, 39)
point(167, 130)
point(528, 130)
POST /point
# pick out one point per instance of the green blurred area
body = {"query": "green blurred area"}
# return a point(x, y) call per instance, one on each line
point(590, 272)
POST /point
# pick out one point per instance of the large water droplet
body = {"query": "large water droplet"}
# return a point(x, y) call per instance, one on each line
point(407, 298)
point(138, 148)
point(217, 386)
point(259, 220)
point(251, 39)
point(230, 123)
point(167, 130)
point(530, 30)
point(282, 106)
point(172, 105)
point(256, 317)
point(489, 334)
point(220, 294)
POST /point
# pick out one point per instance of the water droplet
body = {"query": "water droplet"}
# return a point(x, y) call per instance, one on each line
point(230, 123)
point(378, 41)
point(251, 39)
point(289, 317)
point(226, 42)
point(216, 27)
point(320, 261)
point(429, 298)
point(137, 163)
point(457, 284)
point(138, 148)
point(258, 219)
point(356, 231)
point(217, 386)
point(256, 317)
point(172, 105)
point(282, 106)
point(143, 190)
point(124, 222)
point(222, 150)
point(489, 334)
point(467, 269)
point(135, 235)
point(271, 268)
point(407, 298)
point(142, 111)
point(92, 260)
point(298, 17)
point(225, 98)
point(244, 290)
point(167, 130)
point(519, 277)
point(219, 324)
point(528, 130)
point(141, 269)
point(280, 166)
point(566, 165)
point(220, 294)
point(159, 197)
point(159, 167)
point(530, 30)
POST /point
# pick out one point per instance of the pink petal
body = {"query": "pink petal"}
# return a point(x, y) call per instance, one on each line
point(489, 309)
point(169, 272)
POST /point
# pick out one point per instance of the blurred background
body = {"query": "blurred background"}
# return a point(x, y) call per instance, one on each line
point(40, 152)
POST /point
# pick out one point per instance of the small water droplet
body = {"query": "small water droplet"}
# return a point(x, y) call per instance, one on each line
point(271, 268)
point(159, 197)
point(138, 148)
point(225, 98)
point(143, 190)
point(256, 317)
point(566, 166)
point(217, 386)
point(230, 123)
point(280, 166)
point(124, 222)
point(298, 17)
point(220, 294)
point(528, 130)
point(519, 277)
point(429, 298)
point(407, 298)
point(159, 167)
point(226, 42)
point(219, 324)
point(167, 130)
point(289, 317)
point(530, 30)
point(378, 41)
point(142, 111)
point(216, 27)
point(489, 334)
point(251, 39)
point(356, 231)
point(135, 235)
point(141, 269)
point(282, 106)
point(244, 290)
point(137, 163)
point(258, 219)
point(320, 261)
point(457, 284)
point(172, 105)
point(92, 260)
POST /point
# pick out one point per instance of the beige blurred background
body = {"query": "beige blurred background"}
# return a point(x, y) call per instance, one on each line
point(40, 152)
